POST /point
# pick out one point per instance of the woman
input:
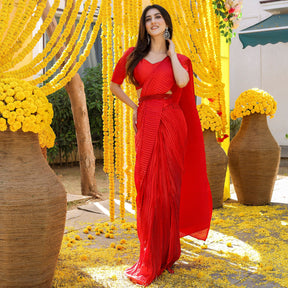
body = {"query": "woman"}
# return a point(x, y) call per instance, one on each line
point(170, 159)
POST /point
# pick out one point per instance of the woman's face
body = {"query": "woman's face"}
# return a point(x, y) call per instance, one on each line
point(154, 22)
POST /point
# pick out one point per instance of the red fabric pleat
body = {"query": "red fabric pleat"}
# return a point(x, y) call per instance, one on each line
point(158, 181)
point(196, 199)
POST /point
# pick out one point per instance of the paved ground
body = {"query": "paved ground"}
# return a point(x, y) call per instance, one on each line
point(91, 211)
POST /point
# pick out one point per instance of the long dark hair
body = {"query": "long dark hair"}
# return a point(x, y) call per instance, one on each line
point(142, 47)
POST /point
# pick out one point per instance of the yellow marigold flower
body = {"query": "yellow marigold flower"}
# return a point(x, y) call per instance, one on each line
point(113, 227)
point(10, 92)
point(97, 233)
point(89, 228)
point(3, 125)
point(80, 279)
point(246, 258)
point(90, 237)
point(114, 278)
point(268, 268)
point(107, 235)
point(19, 111)
point(11, 120)
point(2, 96)
point(11, 106)
point(112, 245)
point(13, 84)
point(229, 244)
point(69, 245)
point(204, 246)
point(86, 231)
point(18, 104)
point(15, 126)
point(200, 274)
point(122, 241)
point(83, 257)
point(119, 247)
point(9, 99)
point(77, 237)
point(111, 236)
point(20, 96)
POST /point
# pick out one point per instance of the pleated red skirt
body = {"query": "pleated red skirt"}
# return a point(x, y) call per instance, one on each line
point(160, 150)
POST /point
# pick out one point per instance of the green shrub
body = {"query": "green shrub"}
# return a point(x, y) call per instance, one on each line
point(63, 124)
point(234, 127)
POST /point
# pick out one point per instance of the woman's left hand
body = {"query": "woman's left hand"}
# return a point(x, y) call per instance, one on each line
point(171, 50)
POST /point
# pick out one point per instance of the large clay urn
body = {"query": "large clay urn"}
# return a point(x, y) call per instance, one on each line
point(32, 213)
point(216, 162)
point(254, 157)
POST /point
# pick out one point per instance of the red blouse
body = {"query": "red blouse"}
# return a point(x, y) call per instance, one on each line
point(142, 71)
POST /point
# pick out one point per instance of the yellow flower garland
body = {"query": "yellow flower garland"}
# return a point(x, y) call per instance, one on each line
point(25, 107)
point(32, 44)
point(196, 35)
point(254, 101)
point(32, 68)
point(209, 118)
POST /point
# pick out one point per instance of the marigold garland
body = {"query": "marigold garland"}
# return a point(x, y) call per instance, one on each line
point(254, 101)
point(13, 52)
point(32, 44)
point(41, 60)
point(197, 36)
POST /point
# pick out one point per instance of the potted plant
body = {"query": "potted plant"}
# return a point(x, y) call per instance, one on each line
point(32, 199)
point(216, 158)
point(253, 154)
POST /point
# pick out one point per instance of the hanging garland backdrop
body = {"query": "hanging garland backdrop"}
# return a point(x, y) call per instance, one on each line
point(196, 34)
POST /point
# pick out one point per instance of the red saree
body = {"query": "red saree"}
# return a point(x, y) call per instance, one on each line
point(173, 194)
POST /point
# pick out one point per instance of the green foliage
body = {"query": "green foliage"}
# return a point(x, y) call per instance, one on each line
point(234, 127)
point(227, 18)
point(286, 135)
point(63, 124)
point(93, 89)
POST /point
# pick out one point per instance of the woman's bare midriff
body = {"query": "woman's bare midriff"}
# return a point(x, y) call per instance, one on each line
point(139, 92)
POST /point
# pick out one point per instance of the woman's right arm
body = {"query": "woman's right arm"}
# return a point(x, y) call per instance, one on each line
point(119, 93)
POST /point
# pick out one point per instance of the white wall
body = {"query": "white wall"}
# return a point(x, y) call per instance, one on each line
point(264, 67)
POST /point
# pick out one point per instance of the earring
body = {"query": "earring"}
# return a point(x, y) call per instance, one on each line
point(166, 34)
point(148, 39)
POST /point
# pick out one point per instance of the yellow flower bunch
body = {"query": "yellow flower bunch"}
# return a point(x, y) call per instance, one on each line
point(23, 106)
point(254, 101)
point(209, 118)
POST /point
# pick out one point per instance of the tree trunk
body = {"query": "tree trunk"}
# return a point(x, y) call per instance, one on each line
point(75, 90)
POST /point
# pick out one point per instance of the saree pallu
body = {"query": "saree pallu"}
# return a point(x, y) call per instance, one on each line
point(160, 150)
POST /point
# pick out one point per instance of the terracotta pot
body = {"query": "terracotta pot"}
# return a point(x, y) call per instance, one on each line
point(254, 158)
point(32, 213)
point(216, 162)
